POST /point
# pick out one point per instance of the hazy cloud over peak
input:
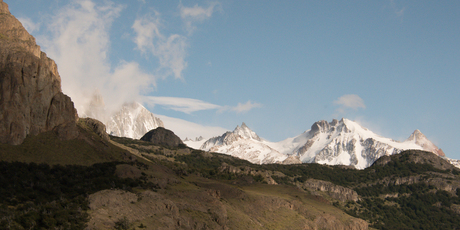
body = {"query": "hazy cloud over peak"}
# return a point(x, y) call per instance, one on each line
point(78, 40)
point(349, 101)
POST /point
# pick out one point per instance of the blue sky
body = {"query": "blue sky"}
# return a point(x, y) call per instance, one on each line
point(278, 66)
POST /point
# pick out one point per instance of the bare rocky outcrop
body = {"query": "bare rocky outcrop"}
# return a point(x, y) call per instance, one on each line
point(293, 159)
point(96, 126)
point(335, 191)
point(162, 136)
point(110, 206)
point(226, 168)
point(31, 100)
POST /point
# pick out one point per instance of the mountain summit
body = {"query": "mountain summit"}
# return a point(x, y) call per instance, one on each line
point(419, 139)
point(244, 143)
point(133, 120)
point(343, 142)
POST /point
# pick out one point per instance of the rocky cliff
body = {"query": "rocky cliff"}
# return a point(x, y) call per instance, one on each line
point(31, 100)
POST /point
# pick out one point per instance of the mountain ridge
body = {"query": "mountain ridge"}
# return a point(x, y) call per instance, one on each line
point(343, 142)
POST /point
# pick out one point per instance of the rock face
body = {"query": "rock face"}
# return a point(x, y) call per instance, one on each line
point(335, 191)
point(31, 100)
point(162, 136)
point(96, 126)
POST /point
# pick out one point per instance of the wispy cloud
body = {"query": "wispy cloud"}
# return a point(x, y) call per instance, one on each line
point(78, 40)
point(30, 25)
point(185, 105)
point(185, 129)
point(399, 12)
point(243, 108)
point(189, 105)
point(196, 14)
point(170, 50)
point(349, 101)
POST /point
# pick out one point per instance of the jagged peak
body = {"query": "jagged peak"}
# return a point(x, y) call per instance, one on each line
point(324, 126)
point(417, 135)
point(245, 132)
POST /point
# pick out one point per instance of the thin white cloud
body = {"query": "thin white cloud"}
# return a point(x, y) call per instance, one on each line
point(170, 50)
point(189, 105)
point(185, 105)
point(185, 129)
point(196, 14)
point(399, 12)
point(78, 40)
point(29, 24)
point(243, 108)
point(349, 101)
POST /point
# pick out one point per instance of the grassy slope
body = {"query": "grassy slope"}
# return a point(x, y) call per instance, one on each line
point(87, 149)
point(205, 196)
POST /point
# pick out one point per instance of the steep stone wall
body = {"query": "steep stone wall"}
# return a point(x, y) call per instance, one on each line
point(31, 101)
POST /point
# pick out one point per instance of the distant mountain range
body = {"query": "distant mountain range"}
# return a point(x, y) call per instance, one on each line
point(343, 142)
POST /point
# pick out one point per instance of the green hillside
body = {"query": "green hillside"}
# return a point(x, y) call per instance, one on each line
point(131, 184)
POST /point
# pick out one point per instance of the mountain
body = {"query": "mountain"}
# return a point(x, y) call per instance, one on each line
point(341, 142)
point(419, 139)
point(31, 99)
point(133, 120)
point(244, 143)
point(196, 144)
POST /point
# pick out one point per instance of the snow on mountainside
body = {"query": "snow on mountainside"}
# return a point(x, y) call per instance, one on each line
point(133, 120)
point(341, 142)
point(244, 143)
point(454, 162)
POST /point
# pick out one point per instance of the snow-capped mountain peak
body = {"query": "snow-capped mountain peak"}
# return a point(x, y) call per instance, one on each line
point(239, 133)
point(244, 143)
point(418, 138)
point(245, 132)
point(133, 120)
point(343, 142)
